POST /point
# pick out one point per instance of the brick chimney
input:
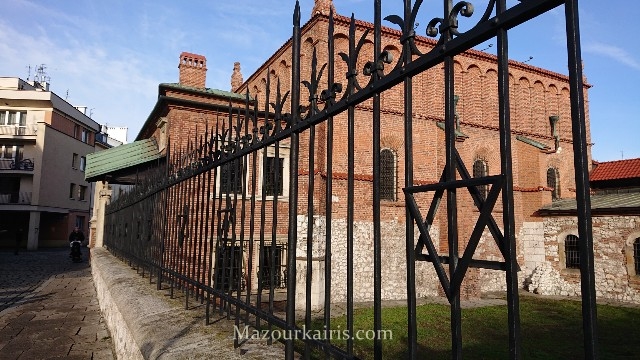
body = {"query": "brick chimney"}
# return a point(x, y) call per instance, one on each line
point(193, 70)
point(322, 7)
point(236, 77)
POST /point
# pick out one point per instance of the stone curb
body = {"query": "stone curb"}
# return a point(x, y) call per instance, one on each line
point(146, 324)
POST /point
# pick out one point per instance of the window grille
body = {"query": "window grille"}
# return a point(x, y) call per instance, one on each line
point(481, 169)
point(231, 177)
point(553, 181)
point(229, 264)
point(636, 255)
point(273, 165)
point(272, 256)
point(387, 175)
point(572, 252)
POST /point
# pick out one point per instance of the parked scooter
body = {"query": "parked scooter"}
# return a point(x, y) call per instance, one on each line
point(76, 254)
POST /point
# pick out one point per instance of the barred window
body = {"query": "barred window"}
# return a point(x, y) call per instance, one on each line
point(553, 181)
point(273, 256)
point(387, 175)
point(572, 252)
point(274, 166)
point(481, 169)
point(636, 255)
point(231, 177)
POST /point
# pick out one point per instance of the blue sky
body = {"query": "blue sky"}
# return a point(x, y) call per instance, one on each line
point(111, 55)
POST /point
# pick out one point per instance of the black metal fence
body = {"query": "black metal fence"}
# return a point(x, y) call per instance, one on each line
point(210, 220)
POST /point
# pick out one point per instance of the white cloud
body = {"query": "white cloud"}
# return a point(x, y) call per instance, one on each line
point(613, 52)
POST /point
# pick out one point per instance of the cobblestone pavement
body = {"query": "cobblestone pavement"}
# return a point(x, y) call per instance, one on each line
point(49, 308)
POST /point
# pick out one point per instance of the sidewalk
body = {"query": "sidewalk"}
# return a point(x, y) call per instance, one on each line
point(49, 308)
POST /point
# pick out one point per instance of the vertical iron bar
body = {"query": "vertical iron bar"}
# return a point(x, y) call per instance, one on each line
point(377, 249)
point(210, 209)
point(310, 190)
point(329, 185)
point(408, 181)
point(508, 212)
point(293, 180)
point(274, 212)
point(254, 179)
point(350, 195)
point(581, 165)
point(241, 242)
point(452, 208)
point(263, 199)
point(201, 215)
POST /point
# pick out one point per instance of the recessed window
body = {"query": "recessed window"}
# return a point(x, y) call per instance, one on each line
point(231, 177)
point(572, 252)
point(270, 167)
point(387, 175)
point(274, 176)
point(72, 191)
point(273, 267)
point(553, 181)
point(82, 193)
point(74, 161)
point(481, 169)
point(83, 163)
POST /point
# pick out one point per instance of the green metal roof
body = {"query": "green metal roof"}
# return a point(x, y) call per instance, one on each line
point(599, 203)
point(108, 161)
point(532, 142)
point(227, 94)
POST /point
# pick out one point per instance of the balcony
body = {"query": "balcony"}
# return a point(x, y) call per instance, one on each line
point(13, 164)
point(13, 130)
point(20, 197)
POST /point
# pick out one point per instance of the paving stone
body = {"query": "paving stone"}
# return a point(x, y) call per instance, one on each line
point(49, 308)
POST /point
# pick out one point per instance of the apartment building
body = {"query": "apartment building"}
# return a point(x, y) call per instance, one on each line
point(44, 142)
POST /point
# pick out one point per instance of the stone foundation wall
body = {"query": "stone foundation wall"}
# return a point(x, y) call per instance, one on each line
point(394, 269)
point(615, 276)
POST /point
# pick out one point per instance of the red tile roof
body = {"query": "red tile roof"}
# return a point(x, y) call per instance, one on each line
point(614, 170)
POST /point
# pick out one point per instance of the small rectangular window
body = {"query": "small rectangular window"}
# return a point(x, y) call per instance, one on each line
point(83, 163)
point(76, 131)
point(272, 168)
point(74, 161)
point(3, 117)
point(82, 193)
point(85, 136)
point(72, 191)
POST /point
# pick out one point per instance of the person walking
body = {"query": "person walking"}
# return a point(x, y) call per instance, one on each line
point(76, 234)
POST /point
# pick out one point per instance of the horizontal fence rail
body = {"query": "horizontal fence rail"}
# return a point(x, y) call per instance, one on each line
point(270, 216)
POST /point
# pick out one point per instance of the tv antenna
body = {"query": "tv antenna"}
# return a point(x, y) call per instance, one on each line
point(41, 75)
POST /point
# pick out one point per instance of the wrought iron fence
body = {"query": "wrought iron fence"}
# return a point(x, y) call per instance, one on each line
point(211, 219)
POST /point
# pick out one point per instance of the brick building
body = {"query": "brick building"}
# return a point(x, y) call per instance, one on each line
point(542, 154)
point(615, 209)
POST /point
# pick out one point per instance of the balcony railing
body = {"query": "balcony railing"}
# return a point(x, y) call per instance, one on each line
point(20, 197)
point(13, 129)
point(13, 164)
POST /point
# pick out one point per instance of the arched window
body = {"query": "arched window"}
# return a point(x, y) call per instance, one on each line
point(387, 175)
point(636, 255)
point(572, 252)
point(553, 181)
point(481, 169)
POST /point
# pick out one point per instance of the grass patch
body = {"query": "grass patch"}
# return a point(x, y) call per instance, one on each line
point(550, 329)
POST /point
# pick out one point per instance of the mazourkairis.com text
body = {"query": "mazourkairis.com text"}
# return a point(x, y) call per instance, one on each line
point(246, 332)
